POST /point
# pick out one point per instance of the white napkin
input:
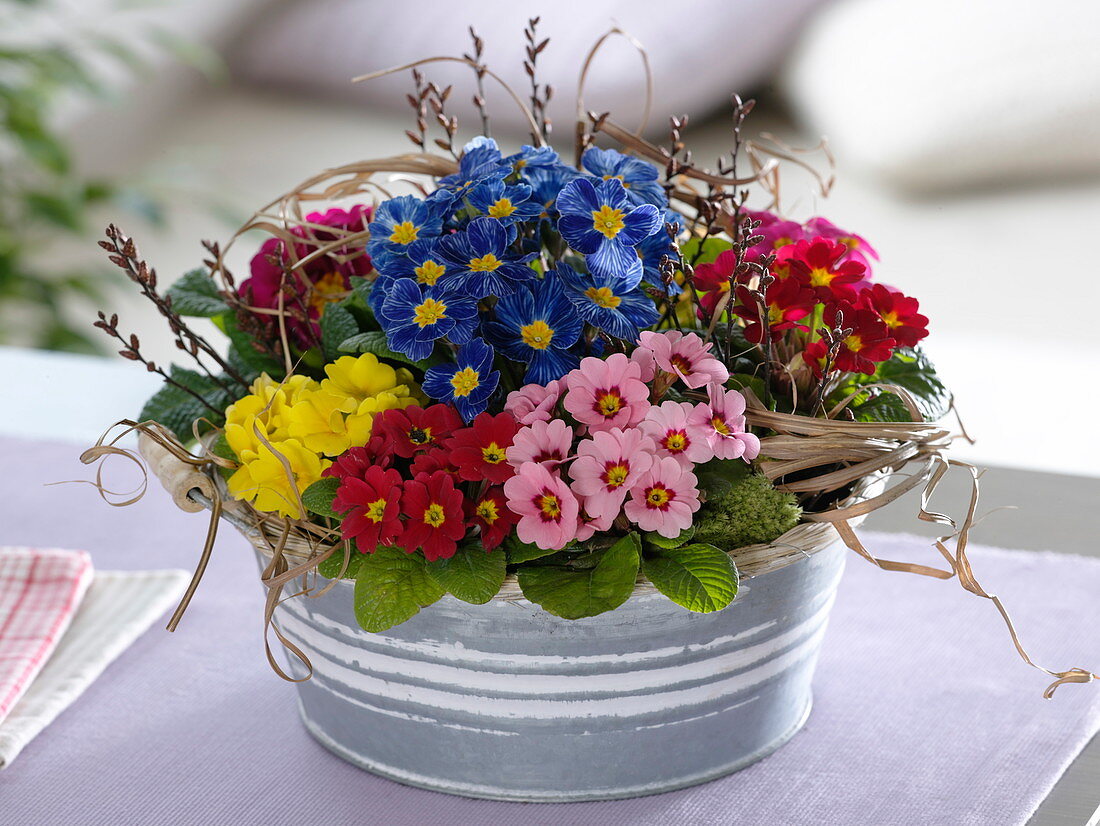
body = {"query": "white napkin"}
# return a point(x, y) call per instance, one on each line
point(118, 607)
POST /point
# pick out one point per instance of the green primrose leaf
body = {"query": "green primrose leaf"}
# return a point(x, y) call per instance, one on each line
point(654, 538)
point(374, 341)
point(699, 577)
point(330, 568)
point(518, 552)
point(572, 594)
point(318, 497)
point(196, 294)
point(392, 586)
point(471, 575)
point(337, 325)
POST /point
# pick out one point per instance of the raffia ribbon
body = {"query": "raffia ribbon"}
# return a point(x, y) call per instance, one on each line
point(802, 443)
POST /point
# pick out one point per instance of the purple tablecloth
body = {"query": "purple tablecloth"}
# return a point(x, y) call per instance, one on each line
point(922, 714)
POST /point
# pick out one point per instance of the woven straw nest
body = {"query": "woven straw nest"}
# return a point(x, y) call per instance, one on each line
point(195, 487)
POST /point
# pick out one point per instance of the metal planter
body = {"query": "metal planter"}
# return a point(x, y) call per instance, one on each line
point(508, 702)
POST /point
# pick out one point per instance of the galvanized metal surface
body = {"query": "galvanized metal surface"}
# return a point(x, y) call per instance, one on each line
point(508, 702)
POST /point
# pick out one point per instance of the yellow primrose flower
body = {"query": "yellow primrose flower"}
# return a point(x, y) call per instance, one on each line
point(269, 404)
point(360, 377)
point(262, 477)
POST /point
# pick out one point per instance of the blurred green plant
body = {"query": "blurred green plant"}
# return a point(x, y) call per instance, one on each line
point(47, 64)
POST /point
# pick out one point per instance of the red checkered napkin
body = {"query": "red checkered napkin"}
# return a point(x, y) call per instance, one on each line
point(40, 590)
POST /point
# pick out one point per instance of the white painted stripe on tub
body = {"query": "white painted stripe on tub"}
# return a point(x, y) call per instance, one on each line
point(476, 676)
point(539, 708)
point(457, 652)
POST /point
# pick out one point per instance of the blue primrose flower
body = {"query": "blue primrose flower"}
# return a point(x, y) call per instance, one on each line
point(600, 223)
point(422, 264)
point(537, 327)
point(501, 202)
point(415, 316)
point(546, 183)
point(468, 383)
point(656, 247)
point(480, 262)
point(615, 305)
point(532, 157)
point(638, 177)
point(399, 222)
point(481, 161)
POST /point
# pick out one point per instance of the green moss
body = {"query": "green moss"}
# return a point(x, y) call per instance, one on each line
point(748, 511)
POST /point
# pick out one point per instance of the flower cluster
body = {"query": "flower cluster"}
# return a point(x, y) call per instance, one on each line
point(425, 482)
point(822, 277)
point(599, 449)
point(521, 255)
point(302, 292)
point(284, 434)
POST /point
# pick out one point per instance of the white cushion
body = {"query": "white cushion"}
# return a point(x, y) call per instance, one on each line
point(928, 94)
point(700, 53)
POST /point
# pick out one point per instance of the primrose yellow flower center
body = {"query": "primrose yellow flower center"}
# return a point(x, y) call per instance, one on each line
point(618, 178)
point(854, 343)
point(675, 441)
point(493, 453)
point(608, 221)
point(430, 312)
point(549, 506)
point(603, 297)
point(465, 381)
point(487, 510)
point(658, 497)
point(486, 263)
point(376, 510)
point(720, 426)
point(501, 209)
point(615, 475)
point(329, 287)
point(537, 335)
point(434, 515)
point(783, 241)
point(429, 272)
point(820, 277)
point(609, 403)
point(850, 243)
point(404, 233)
point(775, 314)
point(891, 319)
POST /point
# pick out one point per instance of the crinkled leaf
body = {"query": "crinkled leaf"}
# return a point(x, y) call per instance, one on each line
point(196, 294)
point(518, 552)
point(909, 369)
point(330, 568)
point(318, 497)
point(391, 587)
point(654, 538)
point(176, 409)
point(337, 325)
point(699, 577)
point(245, 358)
point(573, 594)
point(374, 341)
point(471, 575)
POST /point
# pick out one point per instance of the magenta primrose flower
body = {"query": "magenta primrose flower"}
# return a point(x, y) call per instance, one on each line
point(723, 420)
point(664, 499)
point(541, 442)
point(534, 402)
point(547, 509)
point(669, 426)
point(607, 467)
point(686, 356)
point(606, 393)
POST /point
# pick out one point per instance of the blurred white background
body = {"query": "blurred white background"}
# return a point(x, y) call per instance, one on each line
point(967, 138)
